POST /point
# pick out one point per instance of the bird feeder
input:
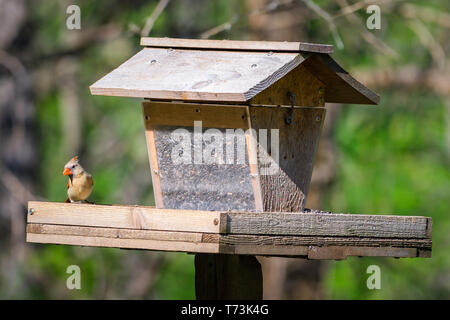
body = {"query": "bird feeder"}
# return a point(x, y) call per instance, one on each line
point(232, 129)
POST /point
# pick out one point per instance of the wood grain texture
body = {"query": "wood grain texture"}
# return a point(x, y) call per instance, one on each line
point(311, 224)
point(222, 276)
point(320, 241)
point(341, 87)
point(274, 46)
point(129, 217)
point(193, 75)
point(154, 169)
point(308, 90)
point(286, 189)
point(146, 244)
point(184, 114)
point(297, 246)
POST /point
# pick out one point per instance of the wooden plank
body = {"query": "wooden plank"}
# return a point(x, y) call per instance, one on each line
point(341, 87)
point(154, 170)
point(285, 189)
point(123, 243)
point(129, 217)
point(309, 91)
point(184, 114)
point(189, 75)
point(320, 241)
point(252, 147)
point(39, 228)
point(294, 246)
point(339, 253)
point(312, 224)
point(275, 46)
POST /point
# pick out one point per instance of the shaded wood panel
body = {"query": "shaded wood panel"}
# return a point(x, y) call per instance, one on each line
point(274, 46)
point(285, 188)
point(308, 91)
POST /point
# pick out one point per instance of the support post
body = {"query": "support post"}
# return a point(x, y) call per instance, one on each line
point(226, 276)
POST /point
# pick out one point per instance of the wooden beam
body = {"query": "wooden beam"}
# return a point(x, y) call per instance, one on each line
point(274, 46)
point(313, 224)
point(128, 217)
point(184, 114)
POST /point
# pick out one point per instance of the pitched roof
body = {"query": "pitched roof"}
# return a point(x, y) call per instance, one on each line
point(225, 71)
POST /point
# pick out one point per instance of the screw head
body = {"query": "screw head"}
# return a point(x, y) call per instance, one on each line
point(254, 65)
point(31, 211)
point(153, 61)
point(216, 221)
point(317, 118)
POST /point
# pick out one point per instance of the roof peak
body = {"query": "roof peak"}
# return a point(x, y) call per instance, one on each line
point(236, 45)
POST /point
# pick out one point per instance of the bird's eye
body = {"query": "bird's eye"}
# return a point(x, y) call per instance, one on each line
point(73, 166)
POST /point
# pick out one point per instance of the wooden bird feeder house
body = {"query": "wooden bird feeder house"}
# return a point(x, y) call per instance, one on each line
point(232, 128)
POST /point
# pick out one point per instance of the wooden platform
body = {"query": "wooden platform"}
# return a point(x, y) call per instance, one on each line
point(307, 235)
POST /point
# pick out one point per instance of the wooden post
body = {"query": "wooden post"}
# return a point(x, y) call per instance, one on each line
point(226, 276)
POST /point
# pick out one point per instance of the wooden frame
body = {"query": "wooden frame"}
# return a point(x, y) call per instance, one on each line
point(307, 235)
point(158, 114)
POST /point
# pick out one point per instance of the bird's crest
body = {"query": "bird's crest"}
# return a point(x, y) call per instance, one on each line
point(72, 161)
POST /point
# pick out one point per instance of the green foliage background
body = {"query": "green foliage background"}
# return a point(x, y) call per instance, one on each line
point(392, 159)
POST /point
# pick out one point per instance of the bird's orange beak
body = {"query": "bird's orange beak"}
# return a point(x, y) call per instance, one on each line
point(67, 172)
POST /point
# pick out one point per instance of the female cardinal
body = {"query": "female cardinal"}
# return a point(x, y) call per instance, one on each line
point(79, 185)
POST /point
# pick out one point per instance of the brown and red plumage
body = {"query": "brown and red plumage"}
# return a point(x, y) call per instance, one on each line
point(80, 183)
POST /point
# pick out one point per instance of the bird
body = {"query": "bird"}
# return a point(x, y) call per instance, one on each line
point(80, 183)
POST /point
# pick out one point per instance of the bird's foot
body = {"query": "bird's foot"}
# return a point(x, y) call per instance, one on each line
point(89, 202)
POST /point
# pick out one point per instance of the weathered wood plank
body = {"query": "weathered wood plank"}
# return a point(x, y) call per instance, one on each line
point(275, 46)
point(114, 233)
point(294, 246)
point(285, 188)
point(340, 252)
point(184, 115)
point(264, 240)
point(154, 169)
point(129, 217)
point(146, 244)
point(195, 75)
point(312, 224)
